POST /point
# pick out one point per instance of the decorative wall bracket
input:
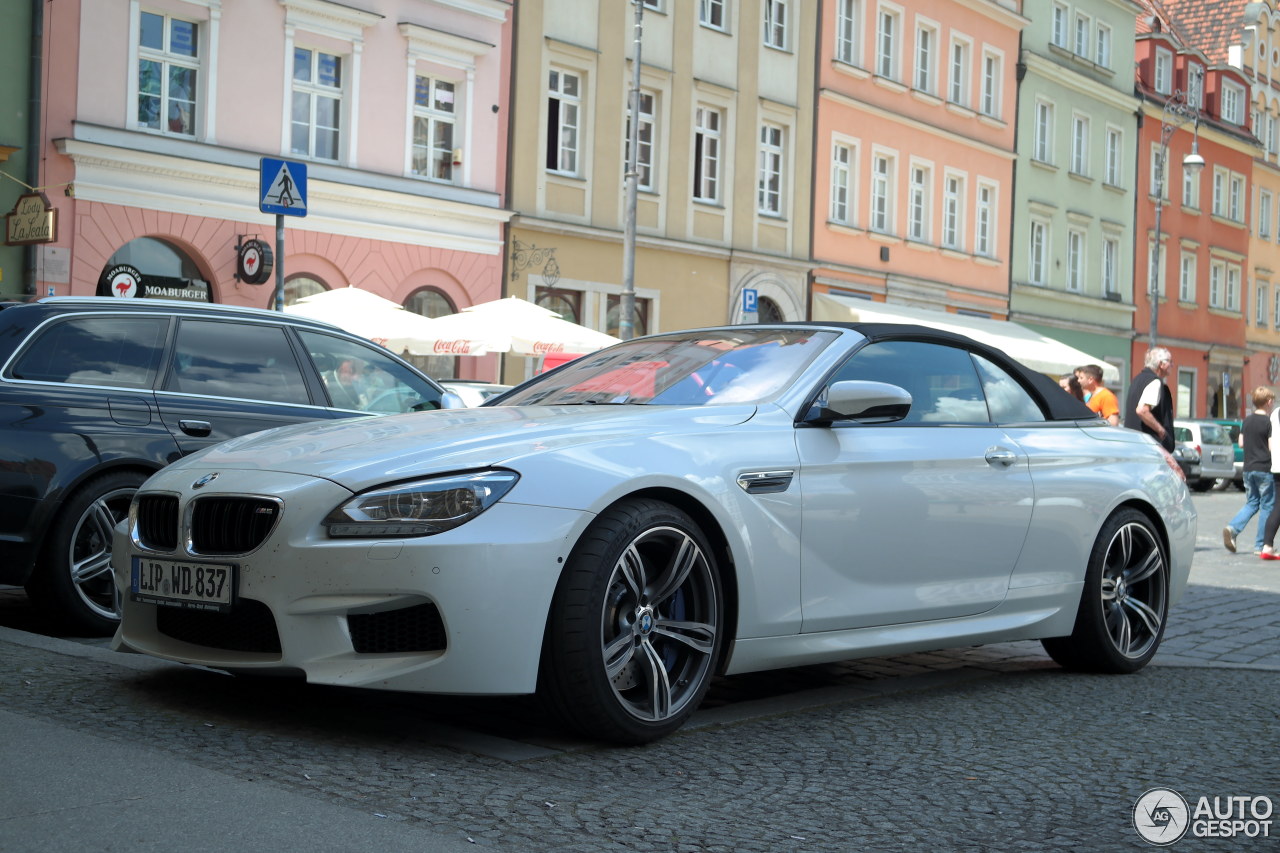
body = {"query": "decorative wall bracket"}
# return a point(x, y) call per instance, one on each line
point(526, 255)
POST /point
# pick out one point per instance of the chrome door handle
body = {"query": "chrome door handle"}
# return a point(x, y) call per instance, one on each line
point(1001, 456)
point(199, 429)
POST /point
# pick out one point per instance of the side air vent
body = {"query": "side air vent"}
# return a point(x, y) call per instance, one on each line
point(765, 482)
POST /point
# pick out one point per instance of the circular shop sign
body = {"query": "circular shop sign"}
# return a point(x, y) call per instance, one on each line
point(122, 280)
point(254, 262)
point(1161, 816)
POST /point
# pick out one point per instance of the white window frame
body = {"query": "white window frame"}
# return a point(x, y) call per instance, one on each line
point(1115, 157)
point(953, 207)
point(1080, 144)
point(1264, 214)
point(647, 139)
point(959, 81)
point(1261, 299)
point(1275, 314)
point(1188, 262)
point(926, 61)
point(568, 119)
point(776, 23)
point(1076, 248)
point(1104, 40)
point(889, 42)
point(1082, 35)
point(992, 79)
point(1217, 283)
point(884, 167)
point(1235, 197)
point(849, 32)
point(985, 214)
point(1191, 188)
point(1233, 287)
point(1219, 191)
point(708, 133)
point(1110, 272)
point(713, 14)
point(1042, 144)
point(1163, 72)
point(1038, 252)
point(772, 167)
point(314, 91)
point(920, 201)
point(1060, 35)
point(844, 164)
point(201, 64)
point(1233, 99)
point(434, 117)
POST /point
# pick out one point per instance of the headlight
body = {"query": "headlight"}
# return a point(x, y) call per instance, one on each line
point(420, 508)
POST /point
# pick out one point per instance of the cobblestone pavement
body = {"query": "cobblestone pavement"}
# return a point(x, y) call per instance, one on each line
point(981, 749)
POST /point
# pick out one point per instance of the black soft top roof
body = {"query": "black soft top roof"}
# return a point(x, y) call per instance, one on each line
point(1059, 405)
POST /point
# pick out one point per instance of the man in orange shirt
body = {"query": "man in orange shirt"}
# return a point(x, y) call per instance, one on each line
point(1098, 397)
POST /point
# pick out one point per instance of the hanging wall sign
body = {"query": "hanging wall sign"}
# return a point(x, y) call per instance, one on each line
point(254, 262)
point(121, 280)
point(32, 220)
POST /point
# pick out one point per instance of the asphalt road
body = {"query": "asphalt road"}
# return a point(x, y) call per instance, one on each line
point(990, 748)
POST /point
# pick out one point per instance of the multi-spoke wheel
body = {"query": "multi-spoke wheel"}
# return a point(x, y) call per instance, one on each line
point(635, 627)
point(1125, 601)
point(73, 581)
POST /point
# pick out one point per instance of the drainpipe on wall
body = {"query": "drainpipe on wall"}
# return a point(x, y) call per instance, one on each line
point(33, 130)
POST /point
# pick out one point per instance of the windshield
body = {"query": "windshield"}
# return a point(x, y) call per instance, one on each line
point(697, 368)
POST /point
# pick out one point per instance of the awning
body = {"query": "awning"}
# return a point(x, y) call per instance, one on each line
point(1031, 348)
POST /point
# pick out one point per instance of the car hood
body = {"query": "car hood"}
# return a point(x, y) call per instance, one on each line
point(362, 452)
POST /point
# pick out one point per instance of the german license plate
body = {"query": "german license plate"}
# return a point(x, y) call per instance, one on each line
point(178, 583)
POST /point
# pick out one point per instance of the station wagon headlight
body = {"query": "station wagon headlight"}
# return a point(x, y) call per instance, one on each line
point(420, 508)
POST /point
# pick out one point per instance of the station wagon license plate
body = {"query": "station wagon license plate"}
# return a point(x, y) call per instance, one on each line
point(176, 583)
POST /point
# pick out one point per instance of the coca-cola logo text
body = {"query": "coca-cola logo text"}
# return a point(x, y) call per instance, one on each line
point(543, 348)
point(458, 347)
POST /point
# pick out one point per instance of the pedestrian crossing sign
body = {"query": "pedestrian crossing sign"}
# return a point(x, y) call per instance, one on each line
point(282, 187)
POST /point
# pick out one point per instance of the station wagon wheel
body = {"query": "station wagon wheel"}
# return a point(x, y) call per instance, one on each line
point(73, 582)
point(636, 625)
point(1125, 602)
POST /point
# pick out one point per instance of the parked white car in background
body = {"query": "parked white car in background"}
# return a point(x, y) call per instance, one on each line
point(622, 528)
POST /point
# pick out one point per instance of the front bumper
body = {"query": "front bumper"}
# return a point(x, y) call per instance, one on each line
point(487, 587)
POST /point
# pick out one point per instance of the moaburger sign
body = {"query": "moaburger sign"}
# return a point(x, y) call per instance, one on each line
point(282, 187)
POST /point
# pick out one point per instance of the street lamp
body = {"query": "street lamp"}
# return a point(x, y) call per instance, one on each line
point(1180, 108)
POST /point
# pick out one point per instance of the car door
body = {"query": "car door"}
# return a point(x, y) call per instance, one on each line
point(916, 520)
point(231, 377)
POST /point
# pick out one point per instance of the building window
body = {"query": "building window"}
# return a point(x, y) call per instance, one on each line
point(775, 24)
point(1219, 192)
point(1060, 15)
point(433, 128)
point(1217, 283)
point(1043, 150)
point(959, 87)
point(1235, 203)
point(706, 154)
point(918, 214)
point(711, 13)
point(953, 212)
point(1262, 304)
point(926, 48)
point(1115, 157)
point(1233, 287)
point(317, 104)
point(564, 99)
point(985, 216)
point(1082, 35)
point(882, 193)
point(887, 44)
point(769, 187)
point(1037, 266)
point(566, 303)
point(644, 147)
point(1080, 145)
point(168, 68)
point(1110, 267)
point(1103, 55)
point(1232, 103)
point(1275, 313)
point(1164, 71)
point(1075, 261)
point(991, 85)
point(841, 183)
point(849, 32)
point(613, 315)
point(1162, 257)
point(1187, 278)
point(1264, 214)
point(1190, 189)
point(1273, 137)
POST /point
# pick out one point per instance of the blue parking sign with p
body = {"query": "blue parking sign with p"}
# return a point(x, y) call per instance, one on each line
point(750, 300)
point(282, 187)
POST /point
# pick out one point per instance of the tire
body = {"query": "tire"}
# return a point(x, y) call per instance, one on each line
point(1125, 600)
point(636, 626)
point(72, 583)
point(1200, 485)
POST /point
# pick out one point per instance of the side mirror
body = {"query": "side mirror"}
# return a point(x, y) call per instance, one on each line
point(864, 402)
point(450, 400)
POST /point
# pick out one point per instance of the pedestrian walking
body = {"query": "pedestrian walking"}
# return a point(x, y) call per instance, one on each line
point(1149, 407)
point(1071, 384)
point(1097, 396)
point(1259, 482)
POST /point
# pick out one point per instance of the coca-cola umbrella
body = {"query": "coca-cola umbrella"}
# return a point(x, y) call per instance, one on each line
point(370, 316)
point(512, 325)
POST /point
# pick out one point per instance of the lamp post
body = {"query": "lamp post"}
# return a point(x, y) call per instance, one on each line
point(1181, 108)
point(627, 304)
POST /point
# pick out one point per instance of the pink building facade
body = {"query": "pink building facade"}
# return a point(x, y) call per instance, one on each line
point(157, 115)
point(915, 147)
